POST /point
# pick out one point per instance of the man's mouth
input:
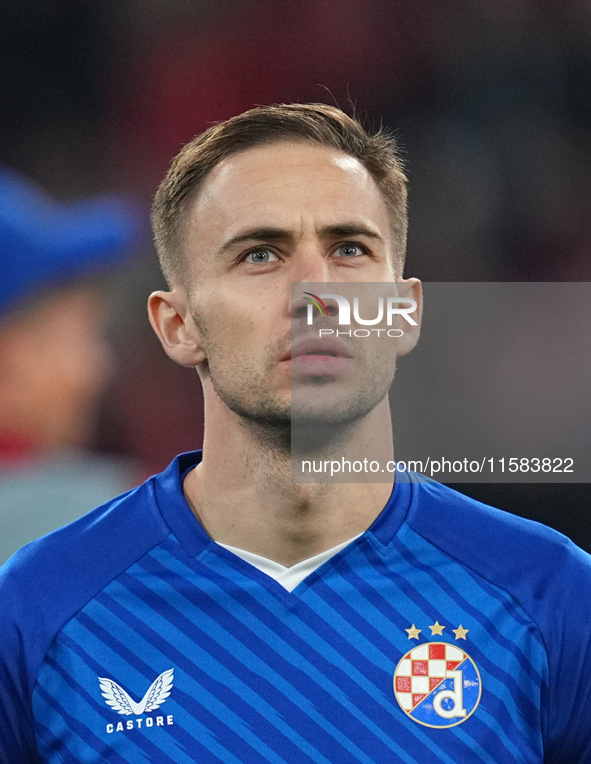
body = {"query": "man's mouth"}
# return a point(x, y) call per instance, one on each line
point(318, 356)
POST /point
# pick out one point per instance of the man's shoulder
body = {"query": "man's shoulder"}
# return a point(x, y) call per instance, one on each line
point(110, 536)
point(442, 511)
point(50, 579)
point(524, 586)
point(522, 556)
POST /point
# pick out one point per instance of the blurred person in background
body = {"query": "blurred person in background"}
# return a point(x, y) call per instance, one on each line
point(54, 357)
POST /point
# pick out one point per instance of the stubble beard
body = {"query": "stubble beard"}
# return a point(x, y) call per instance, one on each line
point(306, 422)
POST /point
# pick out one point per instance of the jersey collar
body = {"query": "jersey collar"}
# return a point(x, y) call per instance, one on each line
point(192, 536)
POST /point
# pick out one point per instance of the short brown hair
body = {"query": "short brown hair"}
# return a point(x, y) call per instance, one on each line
point(313, 123)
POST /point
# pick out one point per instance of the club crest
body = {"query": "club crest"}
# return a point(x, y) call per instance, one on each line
point(437, 684)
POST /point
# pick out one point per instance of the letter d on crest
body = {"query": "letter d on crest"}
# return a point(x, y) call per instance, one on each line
point(456, 696)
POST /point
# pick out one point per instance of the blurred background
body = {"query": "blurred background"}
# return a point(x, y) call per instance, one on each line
point(490, 101)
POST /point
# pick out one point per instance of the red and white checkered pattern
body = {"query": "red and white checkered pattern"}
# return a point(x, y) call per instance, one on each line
point(422, 669)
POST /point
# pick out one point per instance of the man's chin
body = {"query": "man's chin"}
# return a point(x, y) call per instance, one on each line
point(303, 419)
point(319, 414)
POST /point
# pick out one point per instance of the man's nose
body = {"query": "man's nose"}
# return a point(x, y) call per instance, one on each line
point(310, 265)
point(311, 275)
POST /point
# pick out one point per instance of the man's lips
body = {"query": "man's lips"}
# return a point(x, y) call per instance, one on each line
point(318, 357)
point(328, 347)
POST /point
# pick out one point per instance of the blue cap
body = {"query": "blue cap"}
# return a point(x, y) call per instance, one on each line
point(44, 243)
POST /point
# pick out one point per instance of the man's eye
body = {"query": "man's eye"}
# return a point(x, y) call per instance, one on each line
point(260, 255)
point(350, 249)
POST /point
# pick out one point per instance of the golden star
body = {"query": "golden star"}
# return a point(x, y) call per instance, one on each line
point(460, 632)
point(413, 632)
point(437, 628)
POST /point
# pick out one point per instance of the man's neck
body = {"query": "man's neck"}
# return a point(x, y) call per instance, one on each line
point(245, 495)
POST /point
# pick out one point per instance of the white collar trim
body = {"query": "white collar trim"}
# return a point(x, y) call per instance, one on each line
point(290, 577)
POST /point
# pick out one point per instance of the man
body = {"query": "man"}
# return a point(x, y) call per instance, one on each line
point(224, 612)
point(54, 357)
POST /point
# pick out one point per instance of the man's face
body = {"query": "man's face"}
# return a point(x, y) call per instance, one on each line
point(263, 219)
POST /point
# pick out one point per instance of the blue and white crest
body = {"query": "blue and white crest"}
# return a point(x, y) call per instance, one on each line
point(437, 684)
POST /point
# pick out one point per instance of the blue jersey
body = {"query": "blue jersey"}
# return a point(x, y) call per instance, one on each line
point(448, 632)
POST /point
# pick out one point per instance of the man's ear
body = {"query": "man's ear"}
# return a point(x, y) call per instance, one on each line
point(412, 289)
point(175, 328)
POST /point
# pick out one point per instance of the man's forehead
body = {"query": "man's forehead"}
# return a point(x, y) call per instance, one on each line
point(277, 179)
point(295, 155)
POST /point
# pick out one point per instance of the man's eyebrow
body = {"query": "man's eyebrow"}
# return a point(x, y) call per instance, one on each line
point(351, 229)
point(264, 233)
point(269, 233)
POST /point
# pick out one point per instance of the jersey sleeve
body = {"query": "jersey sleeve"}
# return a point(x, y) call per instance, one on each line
point(44, 584)
point(567, 607)
point(550, 579)
point(17, 736)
